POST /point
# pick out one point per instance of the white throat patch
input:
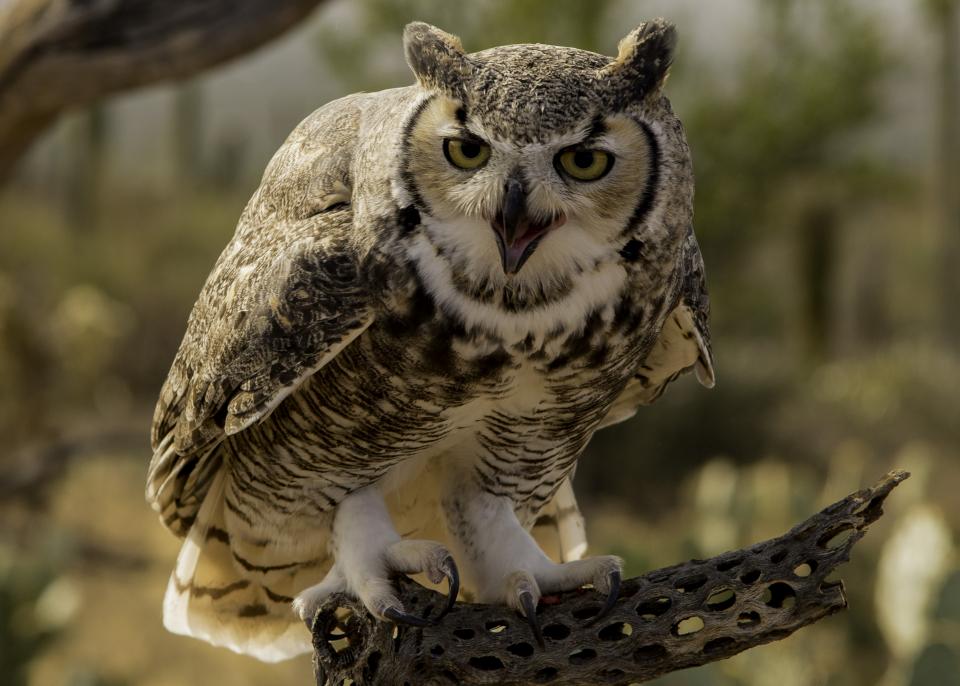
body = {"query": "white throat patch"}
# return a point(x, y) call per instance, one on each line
point(594, 279)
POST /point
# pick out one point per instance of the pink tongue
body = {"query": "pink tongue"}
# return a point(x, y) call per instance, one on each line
point(514, 253)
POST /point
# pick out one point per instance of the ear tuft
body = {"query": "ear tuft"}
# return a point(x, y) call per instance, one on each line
point(643, 59)
point(436, 58)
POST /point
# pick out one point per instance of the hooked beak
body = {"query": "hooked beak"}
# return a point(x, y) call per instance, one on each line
point(517, 235)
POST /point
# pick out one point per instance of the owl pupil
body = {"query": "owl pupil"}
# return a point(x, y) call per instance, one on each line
point(470, 149)
point(583, 159)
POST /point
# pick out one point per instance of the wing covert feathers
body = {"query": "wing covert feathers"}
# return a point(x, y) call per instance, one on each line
point(285, 296)
point(683, 343)
point(268, 317)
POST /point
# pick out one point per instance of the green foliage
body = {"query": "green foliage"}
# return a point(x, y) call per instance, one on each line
point(22, 636)
point(779, 139)
point(938, 665)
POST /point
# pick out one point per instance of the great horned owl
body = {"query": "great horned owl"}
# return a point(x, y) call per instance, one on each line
point(434, 299)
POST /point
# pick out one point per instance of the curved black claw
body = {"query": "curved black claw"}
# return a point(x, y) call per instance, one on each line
point(530, 612)
point(401, 617)
point(612, 596)
point(453, 579)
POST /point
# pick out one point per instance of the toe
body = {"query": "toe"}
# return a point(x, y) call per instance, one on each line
point(607, 581)
point(523, 594)
point(608, 573)
point(613, 593)
point(529, 606)
point(398, 616)
point(430, 558)
point(450, 571)
point(308, 602)
point(413, 557)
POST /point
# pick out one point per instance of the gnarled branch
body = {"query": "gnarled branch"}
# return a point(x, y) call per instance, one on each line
point(57, 54)
point(669, 619)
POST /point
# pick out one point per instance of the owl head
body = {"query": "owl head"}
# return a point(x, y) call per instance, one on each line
point(534, 163)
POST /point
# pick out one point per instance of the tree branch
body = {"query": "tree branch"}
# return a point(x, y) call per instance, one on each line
point(57, 54)
point(669, 619)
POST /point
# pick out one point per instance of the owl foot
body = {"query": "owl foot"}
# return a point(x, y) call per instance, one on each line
point(368, 552)
point(504, 564)
point(430, 558)
point(524, 588)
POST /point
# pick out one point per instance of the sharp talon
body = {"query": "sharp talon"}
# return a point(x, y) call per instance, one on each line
point(612, 596)
point(453, 579)
point(401, 617)
point(530, 612)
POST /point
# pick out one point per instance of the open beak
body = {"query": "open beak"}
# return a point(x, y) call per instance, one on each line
point(517, 235)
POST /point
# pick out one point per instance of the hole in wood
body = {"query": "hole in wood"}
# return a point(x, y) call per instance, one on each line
point(496, 627)
point(832, 580)
point(650, 653)
point(464, 634)
point(805, 569)
point(339, 644)
point(718, 645)
point(691, 583)
point(867, 505)
point(727, 565)
point(615, 632)
point(557, 632)
point(687, 626)
point(779, 595)
point(750, 577)
point(611, 675)
point(521, 649)
point(721, 599)
point(836, 538)
point(486, 663)
point(586, 612)
point(654, 607)
point(436, 650)
point(779, 556)
point(373, 663)
point(583, 656)
point(748, 619)
point(545, 675)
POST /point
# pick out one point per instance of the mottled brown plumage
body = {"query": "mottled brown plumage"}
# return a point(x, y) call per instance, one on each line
point(396, 340)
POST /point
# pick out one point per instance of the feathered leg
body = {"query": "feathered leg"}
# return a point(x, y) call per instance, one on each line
point(503, 562)
point(368, 551)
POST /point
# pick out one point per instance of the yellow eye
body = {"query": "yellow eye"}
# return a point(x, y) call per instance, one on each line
point(466, 154)
point(585, 165)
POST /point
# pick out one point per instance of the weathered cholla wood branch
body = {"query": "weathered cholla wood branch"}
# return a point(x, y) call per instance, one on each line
point(58, 54)
point(669, 619)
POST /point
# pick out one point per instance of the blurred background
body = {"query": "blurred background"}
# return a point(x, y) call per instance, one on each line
point(826, 142)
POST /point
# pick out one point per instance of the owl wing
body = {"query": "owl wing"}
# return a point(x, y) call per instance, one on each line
point(281, 302)
point(683, 343)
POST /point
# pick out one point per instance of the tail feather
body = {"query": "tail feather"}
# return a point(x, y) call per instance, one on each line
point(559, 530)
point(233, 595)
